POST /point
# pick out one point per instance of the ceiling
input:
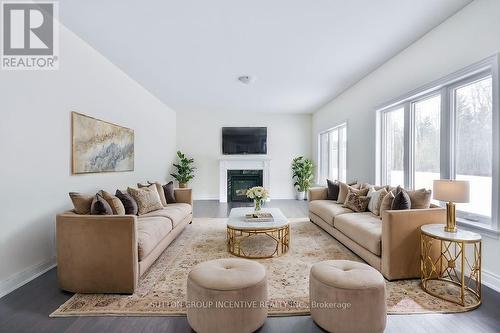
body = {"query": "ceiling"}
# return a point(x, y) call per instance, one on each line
point(300, 53)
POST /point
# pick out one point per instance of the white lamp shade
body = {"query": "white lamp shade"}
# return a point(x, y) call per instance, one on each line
point(451, 190)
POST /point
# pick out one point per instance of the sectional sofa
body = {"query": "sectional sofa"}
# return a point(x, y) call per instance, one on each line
point(108, 253)
point(390, 243)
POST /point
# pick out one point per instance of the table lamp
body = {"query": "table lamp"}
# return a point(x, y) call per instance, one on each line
point(451, 191)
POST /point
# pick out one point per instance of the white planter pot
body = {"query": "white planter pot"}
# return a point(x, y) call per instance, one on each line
point(301, 195)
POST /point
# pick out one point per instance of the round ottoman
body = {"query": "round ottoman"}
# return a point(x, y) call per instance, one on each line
point(347, 296)
point(227, 295)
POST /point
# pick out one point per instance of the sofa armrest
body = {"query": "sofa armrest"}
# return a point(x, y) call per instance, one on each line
point(401, 240)
point(97, 254)
point(184, 195)
point(317, 193)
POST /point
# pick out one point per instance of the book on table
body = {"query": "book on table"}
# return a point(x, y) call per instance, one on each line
point(259, 217)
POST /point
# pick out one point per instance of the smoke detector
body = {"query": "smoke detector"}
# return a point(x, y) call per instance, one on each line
point(246, 79)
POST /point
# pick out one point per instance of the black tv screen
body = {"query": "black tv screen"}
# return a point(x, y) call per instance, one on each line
point(244, 140)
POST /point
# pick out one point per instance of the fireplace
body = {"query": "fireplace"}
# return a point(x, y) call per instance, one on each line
point(239, 181)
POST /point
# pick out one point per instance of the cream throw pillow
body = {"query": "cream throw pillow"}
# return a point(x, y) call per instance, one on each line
point(147, 199)
point(420, 199)
point(386, 203)
point(116, 204)
point(375, 199)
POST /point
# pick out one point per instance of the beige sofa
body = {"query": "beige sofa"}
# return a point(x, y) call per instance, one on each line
point(108, 253)
point(391, 244)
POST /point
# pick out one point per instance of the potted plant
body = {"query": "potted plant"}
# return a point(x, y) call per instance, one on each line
point(258, 194)
point(302, 174)
point(185, 170)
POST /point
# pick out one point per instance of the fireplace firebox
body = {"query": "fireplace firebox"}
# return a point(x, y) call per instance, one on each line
point(239, 181)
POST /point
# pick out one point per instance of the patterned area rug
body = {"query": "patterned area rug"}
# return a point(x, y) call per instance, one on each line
point(162, 289)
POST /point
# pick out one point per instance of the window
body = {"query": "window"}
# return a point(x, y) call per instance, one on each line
point(333, 154)
point(426, 140)
point(473, 111)
point(393, 150)
point(447, 130)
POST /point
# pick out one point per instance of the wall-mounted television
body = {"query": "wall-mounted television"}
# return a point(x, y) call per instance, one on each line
point(244, 140)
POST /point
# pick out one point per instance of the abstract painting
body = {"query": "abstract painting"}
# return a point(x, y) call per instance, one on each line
point(99, 146)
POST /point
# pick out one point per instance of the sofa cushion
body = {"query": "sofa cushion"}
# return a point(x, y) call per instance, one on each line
point(174, 212)
point(363, 228)
point(150, 231)
point(327, 210)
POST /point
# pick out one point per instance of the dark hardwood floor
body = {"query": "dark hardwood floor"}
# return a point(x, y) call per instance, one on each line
point(27, 308)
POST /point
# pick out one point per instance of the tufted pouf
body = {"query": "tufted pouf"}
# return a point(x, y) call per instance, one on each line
point(347, 296)
point(227, 295)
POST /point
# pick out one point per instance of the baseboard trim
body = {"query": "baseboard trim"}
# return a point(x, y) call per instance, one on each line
point(491, 280)
point(20, 279)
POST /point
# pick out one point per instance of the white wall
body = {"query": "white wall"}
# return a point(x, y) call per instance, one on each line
point(35, 146)
point(467, 37)
point(199, 136)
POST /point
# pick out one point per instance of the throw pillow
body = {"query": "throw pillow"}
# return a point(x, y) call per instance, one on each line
point(333, 190)
point(344, 190)
point(81, 202)
point(401, 200)
point(168, 190)
point(128, 202)
point(420, 199)
point(100, 206)
point(159, 188)
point(386, 203)
point(356, 202)
point(114, 202)
point(361, 192)
point(375, 195)
point(147, 199)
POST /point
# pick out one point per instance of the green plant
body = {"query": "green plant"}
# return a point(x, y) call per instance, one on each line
point(302, 173)
point(185, 169)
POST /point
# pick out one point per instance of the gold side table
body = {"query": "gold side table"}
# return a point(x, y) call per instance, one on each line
point(455, 264)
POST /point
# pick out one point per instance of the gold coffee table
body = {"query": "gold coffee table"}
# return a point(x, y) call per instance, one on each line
point(456, 266)
point(241, 232)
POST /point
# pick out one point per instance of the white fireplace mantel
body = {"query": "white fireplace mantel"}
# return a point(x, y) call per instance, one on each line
point(242, 163)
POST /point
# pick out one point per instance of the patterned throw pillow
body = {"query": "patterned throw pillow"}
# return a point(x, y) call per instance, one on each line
point(100, 206)
point(147, 199)
point(356, 202)
point(344, 190)
point(114, 202)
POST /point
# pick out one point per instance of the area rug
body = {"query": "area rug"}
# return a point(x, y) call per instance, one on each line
point(162, 290)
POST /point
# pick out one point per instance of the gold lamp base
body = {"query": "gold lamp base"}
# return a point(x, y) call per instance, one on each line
point(451, 223)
